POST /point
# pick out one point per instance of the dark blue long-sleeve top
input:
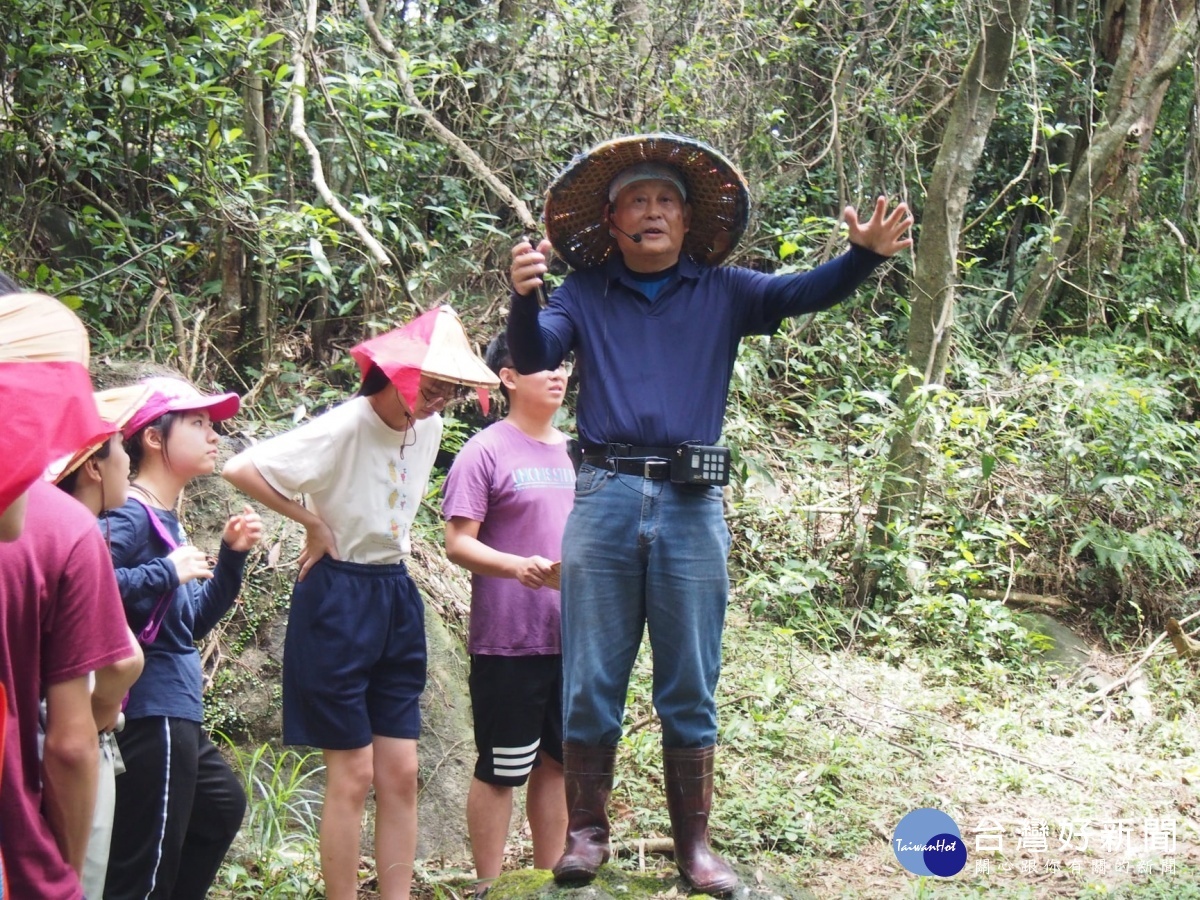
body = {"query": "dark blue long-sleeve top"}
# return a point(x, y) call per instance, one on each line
point(656, 372)
point(171, 681)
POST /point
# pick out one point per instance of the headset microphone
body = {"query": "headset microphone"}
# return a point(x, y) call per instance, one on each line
point(636, 237)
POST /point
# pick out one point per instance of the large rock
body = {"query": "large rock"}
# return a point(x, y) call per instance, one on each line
point(447, 748)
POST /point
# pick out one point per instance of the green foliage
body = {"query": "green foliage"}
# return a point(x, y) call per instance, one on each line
point(277, 853)
point(1182, 885)
point(979, 629)
point(1176, 692)
point(1073, 477)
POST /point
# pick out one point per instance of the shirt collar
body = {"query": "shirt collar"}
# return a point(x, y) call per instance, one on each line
point(616, 270)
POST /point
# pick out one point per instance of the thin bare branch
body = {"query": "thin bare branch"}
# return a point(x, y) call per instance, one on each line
point(300, 132)
point(469, 157)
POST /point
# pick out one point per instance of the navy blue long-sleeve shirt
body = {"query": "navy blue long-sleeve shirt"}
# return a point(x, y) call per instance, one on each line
point(656, 373)
point(171, 682)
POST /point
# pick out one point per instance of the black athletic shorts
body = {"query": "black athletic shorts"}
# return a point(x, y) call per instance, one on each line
point(517, 705)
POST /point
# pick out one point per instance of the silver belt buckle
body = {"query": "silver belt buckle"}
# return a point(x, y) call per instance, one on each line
point(646, 468)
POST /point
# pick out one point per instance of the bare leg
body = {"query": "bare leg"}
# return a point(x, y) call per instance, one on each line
point(546, 807)
point(348, 775)
point(395, 815)
point(489, 812)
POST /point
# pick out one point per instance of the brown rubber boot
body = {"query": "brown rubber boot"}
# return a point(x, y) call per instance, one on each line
point(588, 773)
point(689, 778)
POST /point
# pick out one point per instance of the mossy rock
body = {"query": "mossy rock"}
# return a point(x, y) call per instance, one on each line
point(613, 883)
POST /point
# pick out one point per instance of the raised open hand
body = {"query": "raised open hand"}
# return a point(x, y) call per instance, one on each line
point(885, 233)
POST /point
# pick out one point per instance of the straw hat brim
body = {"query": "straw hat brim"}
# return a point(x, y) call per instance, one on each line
point(116, 407)
point(717, 192)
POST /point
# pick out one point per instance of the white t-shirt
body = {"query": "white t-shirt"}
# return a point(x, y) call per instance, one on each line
point(363, 479)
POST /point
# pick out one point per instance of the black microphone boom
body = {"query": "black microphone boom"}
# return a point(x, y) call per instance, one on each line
point(635, 237)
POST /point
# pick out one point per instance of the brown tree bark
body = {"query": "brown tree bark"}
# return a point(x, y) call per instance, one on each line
point(935, 277)
point(632, 18)
point(1191, 172)
point(1062, 147)
point(1135, 92)
point(1119, 184)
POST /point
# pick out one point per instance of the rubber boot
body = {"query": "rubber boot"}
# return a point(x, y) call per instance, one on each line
point(689, 778)
point(588, 774)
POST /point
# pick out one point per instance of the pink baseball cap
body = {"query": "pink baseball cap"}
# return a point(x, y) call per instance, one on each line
point(176, 395)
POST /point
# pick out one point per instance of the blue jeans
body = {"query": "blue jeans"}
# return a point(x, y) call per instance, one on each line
point(639, 553)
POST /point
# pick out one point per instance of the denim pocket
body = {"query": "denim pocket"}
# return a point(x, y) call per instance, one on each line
point(589, 480)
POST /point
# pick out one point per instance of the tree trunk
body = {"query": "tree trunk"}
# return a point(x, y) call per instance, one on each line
point(632, 17)
point(1126, 111)
point(256, 281)
point(1191, 171)
point(935, 274)
point(1062, 147)
point(1101, 245)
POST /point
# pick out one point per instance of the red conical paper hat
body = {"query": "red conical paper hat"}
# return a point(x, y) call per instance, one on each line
point(433, 344)
point(45, 391)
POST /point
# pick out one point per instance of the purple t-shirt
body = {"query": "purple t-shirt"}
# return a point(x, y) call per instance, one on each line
point(521, 491)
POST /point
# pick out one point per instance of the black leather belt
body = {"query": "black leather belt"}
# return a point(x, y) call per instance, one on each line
point(631, 451)
point(629, 459)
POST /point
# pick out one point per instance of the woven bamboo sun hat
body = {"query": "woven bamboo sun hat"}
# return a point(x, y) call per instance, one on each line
point(716, 190)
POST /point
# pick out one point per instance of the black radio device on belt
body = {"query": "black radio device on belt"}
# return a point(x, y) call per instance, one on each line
point(698, 464)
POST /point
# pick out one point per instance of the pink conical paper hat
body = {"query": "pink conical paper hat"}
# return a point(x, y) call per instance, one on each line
point(433, 344)
point(45, 391)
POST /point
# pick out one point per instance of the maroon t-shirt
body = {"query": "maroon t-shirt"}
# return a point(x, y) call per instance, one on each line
point(60, 618)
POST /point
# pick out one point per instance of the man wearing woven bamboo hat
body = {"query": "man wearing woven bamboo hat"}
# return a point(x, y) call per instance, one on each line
point(655, 323)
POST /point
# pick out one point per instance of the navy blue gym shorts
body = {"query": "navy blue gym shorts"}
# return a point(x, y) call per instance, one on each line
point(354, 659)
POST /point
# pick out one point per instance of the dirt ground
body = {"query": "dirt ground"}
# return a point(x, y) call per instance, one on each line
point(1053, 795)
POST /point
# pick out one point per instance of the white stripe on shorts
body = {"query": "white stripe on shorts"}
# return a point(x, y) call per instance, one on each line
point(514, 762)
point(517, 751)
point(512, 772)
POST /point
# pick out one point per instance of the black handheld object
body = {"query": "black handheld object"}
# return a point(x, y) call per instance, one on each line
point(542, 297)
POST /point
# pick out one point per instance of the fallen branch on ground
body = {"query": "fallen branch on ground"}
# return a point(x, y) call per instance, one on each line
point(1132, 670)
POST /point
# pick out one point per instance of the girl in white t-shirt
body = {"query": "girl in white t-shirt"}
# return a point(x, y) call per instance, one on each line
point(354, 656)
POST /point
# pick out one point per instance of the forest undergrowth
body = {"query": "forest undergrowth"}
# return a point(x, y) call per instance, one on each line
point(1067, 482)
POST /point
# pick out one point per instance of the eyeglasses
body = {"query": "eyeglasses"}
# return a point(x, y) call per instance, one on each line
point(437, 391)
